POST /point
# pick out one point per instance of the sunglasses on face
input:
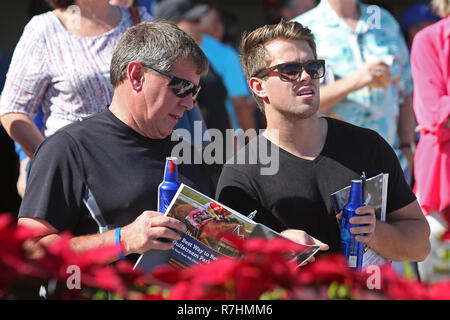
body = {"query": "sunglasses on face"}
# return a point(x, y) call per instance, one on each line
point(180, 87)
point(291, 71)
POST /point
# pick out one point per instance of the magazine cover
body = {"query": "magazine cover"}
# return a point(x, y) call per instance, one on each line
point(206, 221)
point(375, 196)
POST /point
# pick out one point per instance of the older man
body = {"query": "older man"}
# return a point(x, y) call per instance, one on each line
point(317, 155)
point(103, 173)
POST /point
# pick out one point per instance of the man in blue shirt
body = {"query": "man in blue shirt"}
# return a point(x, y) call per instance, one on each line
point(223, 58)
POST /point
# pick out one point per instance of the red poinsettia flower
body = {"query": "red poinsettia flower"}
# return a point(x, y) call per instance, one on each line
point(439, 291)
point(327, 269)
point(13, 260)
point(446, 235)
point(397, 287)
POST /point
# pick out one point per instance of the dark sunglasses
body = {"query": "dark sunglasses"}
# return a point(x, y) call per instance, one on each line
point(180, 87)
point(291, 71)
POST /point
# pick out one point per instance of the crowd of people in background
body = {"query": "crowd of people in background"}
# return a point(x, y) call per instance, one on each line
point(390, 76)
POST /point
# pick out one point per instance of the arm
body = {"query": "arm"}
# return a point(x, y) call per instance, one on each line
point(238, 91)
point(22, 179)
point(138, 237)
point(23, 130)
point(333, 93)
point(244, 112)
point(26, 83)
point(406, 125)
point(431, 97)
point(404, 236)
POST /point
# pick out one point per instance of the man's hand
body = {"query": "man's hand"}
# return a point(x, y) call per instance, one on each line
point(367, 219)
point(302, 237)
point(376, 74)
point(142, 234)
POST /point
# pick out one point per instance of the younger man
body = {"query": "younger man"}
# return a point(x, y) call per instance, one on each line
point(317, 156)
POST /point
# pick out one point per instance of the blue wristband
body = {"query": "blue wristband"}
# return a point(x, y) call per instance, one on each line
point(117, 242)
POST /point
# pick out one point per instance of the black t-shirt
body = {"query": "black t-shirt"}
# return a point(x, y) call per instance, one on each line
point(298, 195)
point(121, 167)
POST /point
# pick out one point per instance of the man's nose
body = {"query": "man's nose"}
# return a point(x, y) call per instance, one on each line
point(188, 102)
point(304, 76)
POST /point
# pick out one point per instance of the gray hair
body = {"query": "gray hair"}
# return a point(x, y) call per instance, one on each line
point(158, 44)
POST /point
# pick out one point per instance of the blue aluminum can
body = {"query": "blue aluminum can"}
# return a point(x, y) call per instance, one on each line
point(170, 184)
point(352, 249)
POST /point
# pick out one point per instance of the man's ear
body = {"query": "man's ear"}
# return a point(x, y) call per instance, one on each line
point(257, 86)
point(135, 73)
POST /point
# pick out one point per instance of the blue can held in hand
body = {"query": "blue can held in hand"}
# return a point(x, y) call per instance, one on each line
point(352, 249)
point(170, 184)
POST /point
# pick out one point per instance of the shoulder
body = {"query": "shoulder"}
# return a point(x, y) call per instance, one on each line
point(79, 131)
point(210, 42)
point(253, 157)
point(214, 46)
point(213, 49)
point(342, 128)
point(55, 149)
point(433, 33)
point(239, 172)
point(41, 25)
point(346, 138)
point(311, 16)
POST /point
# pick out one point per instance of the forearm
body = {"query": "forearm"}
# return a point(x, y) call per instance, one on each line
point(333, 93)
point(406, 121)
point(244, 112)
point(406, 240)
point(23, 130)
point(85, 243)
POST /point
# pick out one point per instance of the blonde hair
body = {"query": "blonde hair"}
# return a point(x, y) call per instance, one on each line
point(441, 7)
point(254, 56)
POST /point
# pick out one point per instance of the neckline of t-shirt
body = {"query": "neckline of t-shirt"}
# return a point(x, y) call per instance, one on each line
point(123, 11)
point(130, 131)
point(306, 161)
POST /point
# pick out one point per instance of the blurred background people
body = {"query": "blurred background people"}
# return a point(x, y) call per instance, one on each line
point(286, 9)
point(430, 62)
point(9, 171)
point(416, 17)
point(9, 199)
point(224, 98)
point(61, 63)
point(211, 23)
point(225, 60)
point(241, 108)
point(290, 9)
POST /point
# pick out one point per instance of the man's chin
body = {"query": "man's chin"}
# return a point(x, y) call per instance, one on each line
point(302, 113)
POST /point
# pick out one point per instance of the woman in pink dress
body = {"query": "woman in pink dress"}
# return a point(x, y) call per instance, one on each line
point(430, 63)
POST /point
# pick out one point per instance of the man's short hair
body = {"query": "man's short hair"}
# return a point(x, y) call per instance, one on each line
point(254, 56)
point(158, 44)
